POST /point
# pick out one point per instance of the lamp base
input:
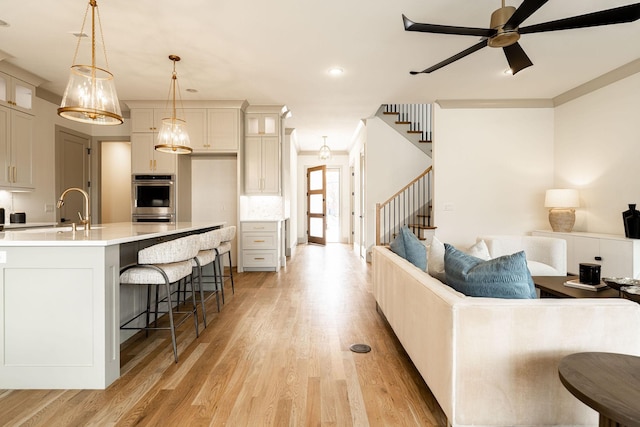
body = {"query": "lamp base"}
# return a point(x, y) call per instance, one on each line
point(562, 219)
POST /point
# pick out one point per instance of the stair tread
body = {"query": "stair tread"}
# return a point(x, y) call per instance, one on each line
point(414, 131)
point(422, 227)
point(402, 123)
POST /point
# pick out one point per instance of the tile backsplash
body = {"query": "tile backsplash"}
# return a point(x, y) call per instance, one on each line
point(261, 207)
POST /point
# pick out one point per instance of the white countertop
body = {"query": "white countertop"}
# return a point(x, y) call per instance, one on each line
point(14, 225)
point(99, 234)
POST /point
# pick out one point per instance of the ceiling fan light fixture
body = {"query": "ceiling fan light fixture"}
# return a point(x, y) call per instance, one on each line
point(90, 96)
point(173, 137)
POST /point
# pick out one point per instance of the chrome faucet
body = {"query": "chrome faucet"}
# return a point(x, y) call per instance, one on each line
point(86, 221)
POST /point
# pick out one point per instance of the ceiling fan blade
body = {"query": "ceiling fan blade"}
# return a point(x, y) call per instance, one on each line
point(526, 9)
point(517, 59)
point(409, 25)
point(454, 58)
point(616, 15)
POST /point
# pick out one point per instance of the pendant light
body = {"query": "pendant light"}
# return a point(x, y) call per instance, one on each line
point(325, 151)
point(90, 96)
point(173, 137)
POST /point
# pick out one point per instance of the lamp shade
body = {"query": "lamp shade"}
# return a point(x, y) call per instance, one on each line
point(562, 198)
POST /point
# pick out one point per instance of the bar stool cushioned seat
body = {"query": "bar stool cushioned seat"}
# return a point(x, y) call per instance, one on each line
point(162, 265)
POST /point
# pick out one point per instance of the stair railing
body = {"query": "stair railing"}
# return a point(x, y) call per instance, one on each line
point(417, 116)
point(411, 206)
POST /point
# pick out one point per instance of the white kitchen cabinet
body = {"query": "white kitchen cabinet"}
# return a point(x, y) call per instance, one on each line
point(618, 256)
point(16, 94)
point(261, 243)
point(16, 149)
point(262, 165)
point(146, 160)
point(223, 131)
point(262, 124)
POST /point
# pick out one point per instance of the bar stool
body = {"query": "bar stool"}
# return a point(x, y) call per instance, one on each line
point(161, 266)
point(226, 236)
point(206, 256)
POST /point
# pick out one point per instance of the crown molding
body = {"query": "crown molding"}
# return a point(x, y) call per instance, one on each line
point(606, 79)
point(494, 103)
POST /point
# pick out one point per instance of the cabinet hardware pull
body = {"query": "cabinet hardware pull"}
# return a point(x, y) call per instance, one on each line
point(598, 258)
point(150, 164)
point(259, 258)
point(258, 241)
point(154, 165)
point(9, 176)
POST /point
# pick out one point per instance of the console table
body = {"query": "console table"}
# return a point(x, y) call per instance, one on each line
point(606, 382)
point(553, 287)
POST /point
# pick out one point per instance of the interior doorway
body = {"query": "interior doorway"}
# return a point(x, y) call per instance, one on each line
point(317, 205)
point(72, 170)
point(115, 181)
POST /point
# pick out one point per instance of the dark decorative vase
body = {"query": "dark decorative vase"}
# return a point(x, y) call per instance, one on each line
point(631, 219)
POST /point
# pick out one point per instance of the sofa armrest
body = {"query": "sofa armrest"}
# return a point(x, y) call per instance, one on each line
point(507, 356)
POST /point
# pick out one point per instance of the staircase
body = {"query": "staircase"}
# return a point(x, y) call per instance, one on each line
point(413, 121)
point(411, 206)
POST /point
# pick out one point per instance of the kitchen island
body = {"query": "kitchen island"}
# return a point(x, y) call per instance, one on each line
point(60, 308)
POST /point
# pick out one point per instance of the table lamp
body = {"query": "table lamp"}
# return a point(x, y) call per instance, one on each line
point(562, 214)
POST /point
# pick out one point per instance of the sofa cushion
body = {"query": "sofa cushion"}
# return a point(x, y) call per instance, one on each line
point(409, 247)
point(503, 277)
point(435, 259)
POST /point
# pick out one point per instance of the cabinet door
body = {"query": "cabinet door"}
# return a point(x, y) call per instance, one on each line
point(142, 120)
point(253, 164)
point(617, 258)
point(16, 94)
point(22, 129)
point(223, 130)
point(164, 162)
point(5, 137)
point(141, 158)
point(584, 250)
point(270, 164)
point(196, 119)
point(262, 124)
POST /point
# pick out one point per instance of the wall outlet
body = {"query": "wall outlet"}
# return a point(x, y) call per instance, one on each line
point(48, 207)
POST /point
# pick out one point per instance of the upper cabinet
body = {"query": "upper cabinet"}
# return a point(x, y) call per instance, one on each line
point(17, 130)
point(16, 94)
point(262, 150)
point(213, 126)
point(262, 124)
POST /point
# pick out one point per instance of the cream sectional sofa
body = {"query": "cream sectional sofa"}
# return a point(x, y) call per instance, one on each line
point(494, 362)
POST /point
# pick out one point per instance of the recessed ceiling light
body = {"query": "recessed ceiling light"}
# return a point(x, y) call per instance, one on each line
point(3, 23)
point(80, 35)
point(192, 90)
point(336, 71)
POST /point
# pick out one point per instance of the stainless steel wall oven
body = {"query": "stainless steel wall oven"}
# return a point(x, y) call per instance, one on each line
point(153, 198)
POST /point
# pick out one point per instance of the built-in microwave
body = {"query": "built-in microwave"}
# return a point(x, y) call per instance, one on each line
point(153, 196)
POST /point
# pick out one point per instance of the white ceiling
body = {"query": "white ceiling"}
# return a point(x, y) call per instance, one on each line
point(279, 51)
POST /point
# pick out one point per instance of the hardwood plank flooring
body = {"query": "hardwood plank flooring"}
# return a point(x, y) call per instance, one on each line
point(276, 355)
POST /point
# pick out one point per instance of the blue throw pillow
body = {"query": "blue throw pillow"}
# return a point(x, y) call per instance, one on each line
point(409, 247)
point(502, 277)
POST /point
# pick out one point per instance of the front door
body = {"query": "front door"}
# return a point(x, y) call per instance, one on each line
point(317, 204)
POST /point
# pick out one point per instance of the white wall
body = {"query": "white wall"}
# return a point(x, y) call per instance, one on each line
point(597, 150)
point(391, 163)
point(491, 170)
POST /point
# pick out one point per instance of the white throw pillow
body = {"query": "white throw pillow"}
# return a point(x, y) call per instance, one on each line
point(435, 259)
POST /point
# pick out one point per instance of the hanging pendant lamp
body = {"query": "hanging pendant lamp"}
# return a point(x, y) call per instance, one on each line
point(173, 137)
point(325, 151)
point(90, 96)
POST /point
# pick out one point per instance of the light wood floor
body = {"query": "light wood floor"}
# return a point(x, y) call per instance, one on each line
point(277, 355)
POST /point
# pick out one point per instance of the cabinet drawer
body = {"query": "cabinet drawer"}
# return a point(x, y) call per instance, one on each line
point(254, 258)
point(259, 226)
point(259, 240)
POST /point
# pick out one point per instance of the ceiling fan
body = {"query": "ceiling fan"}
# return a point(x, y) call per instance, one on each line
point(505, 31)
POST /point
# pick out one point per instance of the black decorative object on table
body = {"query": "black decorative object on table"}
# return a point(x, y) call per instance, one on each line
point(631, 220)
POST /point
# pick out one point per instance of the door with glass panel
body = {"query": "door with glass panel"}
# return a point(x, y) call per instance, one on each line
point(317, 205)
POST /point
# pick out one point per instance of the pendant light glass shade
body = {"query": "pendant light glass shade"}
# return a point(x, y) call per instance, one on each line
point(90, 96)
point(173, 137)
point(325, 151)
